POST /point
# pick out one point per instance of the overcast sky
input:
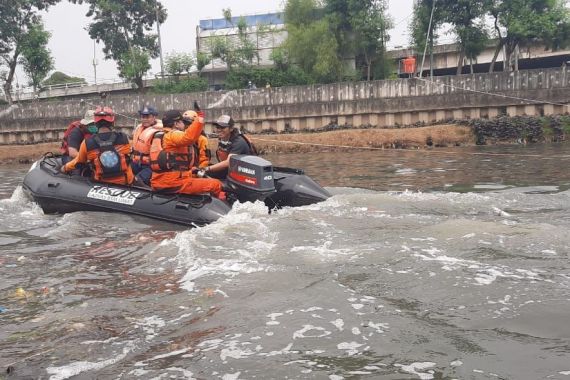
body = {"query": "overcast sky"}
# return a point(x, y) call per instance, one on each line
point(72, 48)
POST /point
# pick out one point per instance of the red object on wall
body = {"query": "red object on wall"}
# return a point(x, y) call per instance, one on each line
point(409, 65)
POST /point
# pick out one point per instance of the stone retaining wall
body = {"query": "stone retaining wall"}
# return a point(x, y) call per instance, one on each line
point(353, 104)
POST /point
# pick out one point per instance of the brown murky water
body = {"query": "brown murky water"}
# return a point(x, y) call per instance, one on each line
point(421, 266)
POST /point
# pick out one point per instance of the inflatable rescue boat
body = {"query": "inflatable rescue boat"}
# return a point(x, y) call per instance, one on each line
point(250, 178)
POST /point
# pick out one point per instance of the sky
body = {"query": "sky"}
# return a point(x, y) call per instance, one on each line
point(73, 50)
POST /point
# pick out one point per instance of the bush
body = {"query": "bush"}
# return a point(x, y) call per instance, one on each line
point(239, 77)
point(168, 86)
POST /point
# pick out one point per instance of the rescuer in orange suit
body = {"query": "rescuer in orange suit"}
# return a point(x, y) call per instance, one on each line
point(201, 146)
point(172, 156)
point(107, 151)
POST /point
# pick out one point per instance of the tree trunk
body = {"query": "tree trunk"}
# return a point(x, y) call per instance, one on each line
point(517, 52)
point(460, 62)
point(494, 60)
point(471, 64)
point(10, 78)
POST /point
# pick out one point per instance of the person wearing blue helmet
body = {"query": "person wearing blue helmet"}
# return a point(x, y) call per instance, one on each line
point(142, 141)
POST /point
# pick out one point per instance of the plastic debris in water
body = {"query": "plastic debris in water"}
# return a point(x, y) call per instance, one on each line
point(3, 309)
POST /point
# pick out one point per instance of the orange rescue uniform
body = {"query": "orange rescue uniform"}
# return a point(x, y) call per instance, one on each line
point(181, 181)
point(84, 156)
point(204, 157)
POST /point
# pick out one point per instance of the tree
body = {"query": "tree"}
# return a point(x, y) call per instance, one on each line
point(424, 30)
point(240, 51)
point(60, 78)
point(519, 23)
point(133, 65)
point(310, 43)
point(18, 16)
point(178, 63)
point(369, 24)
point(36, 58)
point(125, 28)
point(466, 17)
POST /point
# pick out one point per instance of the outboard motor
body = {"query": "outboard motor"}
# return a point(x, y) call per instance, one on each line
point(250, 178)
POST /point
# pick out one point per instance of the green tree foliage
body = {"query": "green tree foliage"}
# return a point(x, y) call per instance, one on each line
point(58, 77)
point(36, 58)
point(202, 59)
point(466, 18)
point(179, 63)
point(519, 23)
point(125, 28)
point(310, 43)
point(186, 85)
point(425, 33)
point(240, 51)
point(275, 77)
point(133, 65)
point(17, 17)
point(325, 37)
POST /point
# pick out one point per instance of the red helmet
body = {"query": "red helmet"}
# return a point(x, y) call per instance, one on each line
point(104, 113)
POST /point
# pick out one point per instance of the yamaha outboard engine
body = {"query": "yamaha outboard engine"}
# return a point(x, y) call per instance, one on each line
point(250, 178)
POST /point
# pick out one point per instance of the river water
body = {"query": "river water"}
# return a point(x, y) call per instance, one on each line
point(444, 264)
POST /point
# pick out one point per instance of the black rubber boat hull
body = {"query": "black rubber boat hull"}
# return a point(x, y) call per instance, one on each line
point(60, 193)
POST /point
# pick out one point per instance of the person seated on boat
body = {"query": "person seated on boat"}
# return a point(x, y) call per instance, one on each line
point(107, 152)
point(74, 135)
point(201, 148)
point(172, 157)
point(142, 140)
point(231, 141)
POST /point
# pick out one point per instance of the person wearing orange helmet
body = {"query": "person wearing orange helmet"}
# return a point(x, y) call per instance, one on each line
point(107, 152)
point(172, 156)
point(201, 146)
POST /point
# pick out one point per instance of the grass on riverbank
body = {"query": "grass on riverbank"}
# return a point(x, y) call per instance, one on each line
point(440, 135)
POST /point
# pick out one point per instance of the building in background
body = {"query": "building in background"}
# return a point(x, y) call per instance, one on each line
point(265, 31)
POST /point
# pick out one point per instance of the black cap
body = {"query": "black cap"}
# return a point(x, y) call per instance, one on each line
point(170, 117)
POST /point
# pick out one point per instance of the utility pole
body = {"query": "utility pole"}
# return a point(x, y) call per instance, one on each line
point(95, 60)
point(159, 43)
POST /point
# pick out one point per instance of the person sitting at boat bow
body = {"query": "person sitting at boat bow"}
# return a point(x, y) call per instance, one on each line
point(172, 156)
point(142, 140)
point(74, 135)
point(231, 141)
point(107, 152)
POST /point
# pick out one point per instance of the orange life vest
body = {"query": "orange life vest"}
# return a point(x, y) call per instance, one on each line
point(109, 163)
point(180, 159)
point(142, 141)
point(65, 143)
point(223, 151)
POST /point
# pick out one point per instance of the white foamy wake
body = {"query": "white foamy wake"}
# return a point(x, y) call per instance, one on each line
point(232, 245)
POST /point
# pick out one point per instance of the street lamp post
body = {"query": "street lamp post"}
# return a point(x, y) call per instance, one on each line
point(159, 42)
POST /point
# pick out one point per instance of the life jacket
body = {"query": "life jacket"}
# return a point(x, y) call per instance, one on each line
point(109, 162)
point(203, 161)
point(65, 143)
point(142, 141)
point(223, 150)
point(181, 159)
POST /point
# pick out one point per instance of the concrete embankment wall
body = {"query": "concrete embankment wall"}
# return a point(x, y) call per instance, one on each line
point(379, 103)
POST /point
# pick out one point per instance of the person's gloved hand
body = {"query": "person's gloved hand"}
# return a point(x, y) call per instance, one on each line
point(199, 111)
point(194, 170)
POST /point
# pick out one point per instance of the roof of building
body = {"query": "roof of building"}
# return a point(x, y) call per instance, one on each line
point(251, 20)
